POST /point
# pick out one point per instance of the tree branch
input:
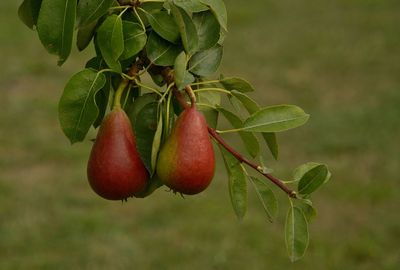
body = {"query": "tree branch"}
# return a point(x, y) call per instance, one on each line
point(168, 76)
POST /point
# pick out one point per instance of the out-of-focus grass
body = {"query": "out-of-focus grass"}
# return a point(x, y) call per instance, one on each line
point(339, 60)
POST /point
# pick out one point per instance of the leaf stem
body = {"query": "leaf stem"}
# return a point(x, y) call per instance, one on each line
point(213, 90)
point(148, 88)
point(205, 82)
point(229, 130)
point(138, 17)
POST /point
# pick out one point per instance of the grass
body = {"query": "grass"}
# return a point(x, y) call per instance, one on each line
point(339, 60)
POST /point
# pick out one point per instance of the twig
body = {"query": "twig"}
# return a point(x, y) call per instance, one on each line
point(169, 78)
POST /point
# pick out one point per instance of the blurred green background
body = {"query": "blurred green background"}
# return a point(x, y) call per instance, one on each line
point(339, 60)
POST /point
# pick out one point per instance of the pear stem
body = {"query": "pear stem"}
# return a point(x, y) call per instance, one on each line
point(191, 95)
point(118, 94)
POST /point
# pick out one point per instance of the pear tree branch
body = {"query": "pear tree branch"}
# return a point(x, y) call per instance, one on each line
point(167, 74)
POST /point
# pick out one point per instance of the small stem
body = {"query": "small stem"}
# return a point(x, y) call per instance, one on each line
point(165, 93)
point(213, 90)
point(119, 7)
point(118, 94)
point(138, 17)
point(205, 82)
point(191, 95)
point(229, 130)
point(205, 105)
point(148, 87)
point(242, 159)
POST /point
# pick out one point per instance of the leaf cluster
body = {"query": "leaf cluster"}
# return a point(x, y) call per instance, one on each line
point(179, 44)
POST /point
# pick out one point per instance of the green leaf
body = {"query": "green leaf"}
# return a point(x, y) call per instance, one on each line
point(28, 12)
point(235, 83)
point(164, 25)
point(55, 27)
point(145, 126)
point(313, 179)
point(186, 28)
point(156, 143)
point(85, 35)
point(180, 70)
point(89, 11)
point(97, 63)
point(102, 98)
point(237, 184)
point(296, 233)
point(276, 119)
point(299, 172)
point(208, 29)
point(191, 6)
point(266, 197)
point(249, 140)
point(134, 39)
point(161, 52)
point(219, 10)
point(77, 108)
point(205, 63)
point(110, 40)
point(213, 99)
point(271, 141)
point(252, 107)
point(308, 210)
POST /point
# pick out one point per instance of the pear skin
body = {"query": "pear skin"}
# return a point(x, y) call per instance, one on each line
point(186, 161)
point(115, 170)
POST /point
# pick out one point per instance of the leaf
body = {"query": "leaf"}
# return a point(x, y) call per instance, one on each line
point(102, 98)
point(206, 62)
point(89, 11)
point(134, 39)
point(77, 108)
point(266, 197)
point(186, 28)
point(190, 5)
point(85, 35)
point(276, 119)
point(164, 25)
point(96, 63)
point(308, 210)
point(249, 140)
point(313, 179)
point(235, 83)
point(296, 233)
point(219, 10)
point(252, 107)
point(213, 99)
point(208, 29)
point(180, 70)
point(156, 143)
point(271, 141)
point(28, 12)
point(110, 40)
point(145, 126)
point(237, 184)
point(161, 52)
point(299, 172)
point(55, 27)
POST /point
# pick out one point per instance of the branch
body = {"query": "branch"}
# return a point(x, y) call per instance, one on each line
point(168, 76)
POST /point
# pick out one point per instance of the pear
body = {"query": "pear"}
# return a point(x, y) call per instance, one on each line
point(115, 170)
point(186, 161)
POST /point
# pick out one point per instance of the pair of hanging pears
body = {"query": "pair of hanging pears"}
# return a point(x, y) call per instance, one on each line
point(185, 163)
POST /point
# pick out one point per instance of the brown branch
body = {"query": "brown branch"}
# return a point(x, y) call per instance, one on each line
point(168, 76)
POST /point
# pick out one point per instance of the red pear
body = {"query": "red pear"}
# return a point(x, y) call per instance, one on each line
point(186, 161)
point(115, 170)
